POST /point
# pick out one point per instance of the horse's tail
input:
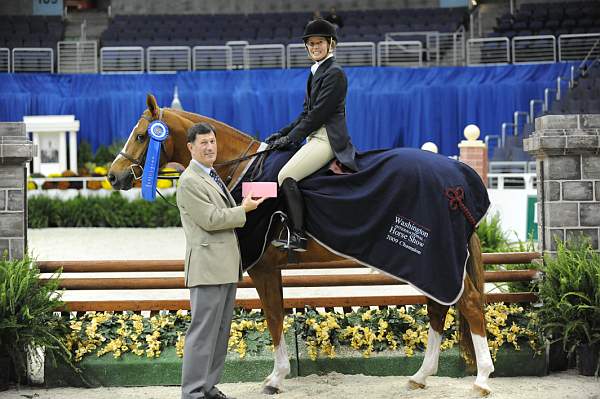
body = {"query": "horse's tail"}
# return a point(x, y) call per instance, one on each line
point(476, 275)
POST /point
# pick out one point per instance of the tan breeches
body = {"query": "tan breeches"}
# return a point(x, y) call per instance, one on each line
point(311, 157)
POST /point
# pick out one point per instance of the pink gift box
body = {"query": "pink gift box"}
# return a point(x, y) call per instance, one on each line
point(260, 189)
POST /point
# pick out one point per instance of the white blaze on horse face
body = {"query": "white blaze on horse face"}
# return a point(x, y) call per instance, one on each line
point(119, 156)
point(432, 357)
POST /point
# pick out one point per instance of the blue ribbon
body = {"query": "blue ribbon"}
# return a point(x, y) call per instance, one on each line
point(158, 132)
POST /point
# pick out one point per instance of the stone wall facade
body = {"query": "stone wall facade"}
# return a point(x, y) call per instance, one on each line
point(567, 151)
point(15, 151)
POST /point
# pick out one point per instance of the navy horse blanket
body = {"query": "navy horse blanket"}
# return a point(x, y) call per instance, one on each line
point(408, 213)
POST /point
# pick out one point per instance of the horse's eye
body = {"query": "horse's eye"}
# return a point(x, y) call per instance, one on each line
point(140, 138)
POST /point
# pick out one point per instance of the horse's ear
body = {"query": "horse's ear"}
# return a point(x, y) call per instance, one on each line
point(152, 105)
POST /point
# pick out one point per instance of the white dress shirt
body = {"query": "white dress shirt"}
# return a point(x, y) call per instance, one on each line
point(316, 65)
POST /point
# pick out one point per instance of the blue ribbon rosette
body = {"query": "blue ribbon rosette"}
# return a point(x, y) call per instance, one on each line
point(158, 132)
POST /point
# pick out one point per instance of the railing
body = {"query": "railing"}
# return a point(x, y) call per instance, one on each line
point(512, 167)
point(237, 53)
point(4, 60)
point(436, 49)
point(211, 57)
point(450, 48)
point(393, 53)
point(296, 56)
point(168, 59)
point(356, 54)
point(312, 280)
point(503, 181)
point(32, 60)
point(264, 56)
point(77, 57)
point(534, 49)
point(86, 186)
point(576, 47)
point(122, 59)
point(488, 51)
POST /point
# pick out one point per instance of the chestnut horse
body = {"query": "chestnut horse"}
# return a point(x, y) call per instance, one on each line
point(266, 274)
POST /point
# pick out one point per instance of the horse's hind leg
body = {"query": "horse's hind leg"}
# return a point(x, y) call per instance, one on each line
point(437, 317)
point(470, 308)
point(267, 280)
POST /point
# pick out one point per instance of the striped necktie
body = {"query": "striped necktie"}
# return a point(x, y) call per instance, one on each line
point(218, 180)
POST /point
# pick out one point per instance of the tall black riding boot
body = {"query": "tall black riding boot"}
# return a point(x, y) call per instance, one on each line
point(294, 204)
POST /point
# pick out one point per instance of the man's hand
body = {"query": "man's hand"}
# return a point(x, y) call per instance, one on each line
point(250, 204)
point(273, 137)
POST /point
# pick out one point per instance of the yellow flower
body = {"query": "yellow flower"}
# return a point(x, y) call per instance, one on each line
point(163, 183)
point(100, 170)
point(367, 315)
point(179, 345)
point(106, 185)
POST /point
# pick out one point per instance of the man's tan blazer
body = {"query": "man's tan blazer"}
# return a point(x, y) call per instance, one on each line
point(209, 216)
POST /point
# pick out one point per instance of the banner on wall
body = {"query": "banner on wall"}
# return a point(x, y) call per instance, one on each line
point(47, 7)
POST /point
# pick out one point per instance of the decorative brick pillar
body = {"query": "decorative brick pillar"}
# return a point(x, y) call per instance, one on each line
point(567, 150)
point(15, 151)
point(474, 152)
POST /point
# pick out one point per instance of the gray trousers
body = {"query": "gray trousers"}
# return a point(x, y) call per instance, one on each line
point(206, 338)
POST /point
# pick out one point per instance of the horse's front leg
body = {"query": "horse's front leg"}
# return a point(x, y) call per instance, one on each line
point(266, 276)
point(437, 317)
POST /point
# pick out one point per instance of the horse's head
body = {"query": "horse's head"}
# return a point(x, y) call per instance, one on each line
point(129, 163)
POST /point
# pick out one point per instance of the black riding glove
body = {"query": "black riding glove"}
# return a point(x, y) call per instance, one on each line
point(272, 138)
point(283, 143)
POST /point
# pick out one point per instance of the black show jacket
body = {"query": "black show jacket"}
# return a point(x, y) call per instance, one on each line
point(325, 105)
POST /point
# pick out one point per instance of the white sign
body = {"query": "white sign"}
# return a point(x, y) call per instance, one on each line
point(56, 140)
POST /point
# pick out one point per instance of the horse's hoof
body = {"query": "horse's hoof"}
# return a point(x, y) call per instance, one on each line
point(269, 390)
point(482, 391)
point(415, 385)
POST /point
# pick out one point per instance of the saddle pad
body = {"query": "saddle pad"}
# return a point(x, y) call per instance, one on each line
point(408, 213)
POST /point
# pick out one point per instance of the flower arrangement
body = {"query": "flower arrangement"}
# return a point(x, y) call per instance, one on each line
point(365, 330)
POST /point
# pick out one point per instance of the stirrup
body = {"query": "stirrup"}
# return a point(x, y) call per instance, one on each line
point(286, 243)
point(283, 241)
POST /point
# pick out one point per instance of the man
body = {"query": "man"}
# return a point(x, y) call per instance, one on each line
point(212, 263)
point(334, 18)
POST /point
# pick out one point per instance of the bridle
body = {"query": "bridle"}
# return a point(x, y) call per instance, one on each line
point(235, 163)
point(135, 162)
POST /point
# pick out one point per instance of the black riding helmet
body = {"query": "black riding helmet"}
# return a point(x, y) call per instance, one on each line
point(319, 27)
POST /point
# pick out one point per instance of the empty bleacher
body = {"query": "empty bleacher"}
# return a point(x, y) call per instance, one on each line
point(30, 31)
point(271, 28)
point(573, 17)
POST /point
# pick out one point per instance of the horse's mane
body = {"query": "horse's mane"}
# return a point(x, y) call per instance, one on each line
point(201, 118)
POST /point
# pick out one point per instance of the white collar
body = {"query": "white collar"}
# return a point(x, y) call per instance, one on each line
point(204, 168)
point(317, 64)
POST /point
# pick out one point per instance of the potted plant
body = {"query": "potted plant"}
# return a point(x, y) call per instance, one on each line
point(27, 318)
point(570, 292)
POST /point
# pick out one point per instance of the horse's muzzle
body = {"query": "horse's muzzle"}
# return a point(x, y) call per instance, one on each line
point(122, 181)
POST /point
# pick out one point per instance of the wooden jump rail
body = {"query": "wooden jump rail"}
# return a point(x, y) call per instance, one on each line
point(314, 280)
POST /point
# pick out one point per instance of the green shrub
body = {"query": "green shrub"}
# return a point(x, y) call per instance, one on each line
point(570, 292)
point(494, 239)
point(27, 317)
point(491, 235)
point(111, 211)
point(84, 154)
